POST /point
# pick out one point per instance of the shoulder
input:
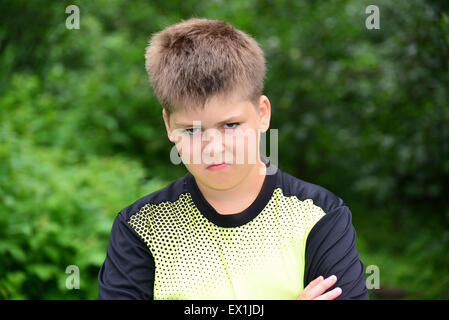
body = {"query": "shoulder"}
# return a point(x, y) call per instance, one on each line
point(169, 193)
point(325, 199)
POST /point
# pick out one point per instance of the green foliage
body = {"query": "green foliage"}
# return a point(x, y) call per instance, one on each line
point(361, 112)
point(57, 212)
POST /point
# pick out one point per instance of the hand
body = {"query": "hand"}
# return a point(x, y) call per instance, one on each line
point(315, 289)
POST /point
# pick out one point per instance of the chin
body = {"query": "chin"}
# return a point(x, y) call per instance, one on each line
point(220, 181)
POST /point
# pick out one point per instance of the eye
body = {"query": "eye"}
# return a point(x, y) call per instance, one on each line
point(192, 130)
point(233, 125)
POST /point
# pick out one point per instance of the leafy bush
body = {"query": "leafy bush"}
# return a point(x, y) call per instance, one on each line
point(57, 211)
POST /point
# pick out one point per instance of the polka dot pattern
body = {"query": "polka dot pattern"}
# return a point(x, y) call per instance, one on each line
point(196, 259)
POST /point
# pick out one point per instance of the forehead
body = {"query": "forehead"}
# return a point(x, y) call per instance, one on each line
point(214, 112)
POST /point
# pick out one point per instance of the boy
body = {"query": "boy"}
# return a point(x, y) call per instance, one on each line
point(228, 229)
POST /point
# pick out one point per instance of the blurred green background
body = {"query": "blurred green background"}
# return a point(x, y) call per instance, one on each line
point(363, 113)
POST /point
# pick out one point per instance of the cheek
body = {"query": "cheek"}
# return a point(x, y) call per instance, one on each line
point(245, 145)
point(195, 169)
point(185, 149)
point(191, 150)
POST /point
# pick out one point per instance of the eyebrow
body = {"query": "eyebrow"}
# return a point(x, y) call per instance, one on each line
point(185, 125)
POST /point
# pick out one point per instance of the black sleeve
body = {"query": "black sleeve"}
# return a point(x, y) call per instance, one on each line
point(128, 270)
point(331, 250)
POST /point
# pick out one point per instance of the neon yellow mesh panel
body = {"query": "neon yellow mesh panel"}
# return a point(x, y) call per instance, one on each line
point(196, 259)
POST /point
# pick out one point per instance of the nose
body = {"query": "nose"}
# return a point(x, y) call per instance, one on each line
point(214, 144)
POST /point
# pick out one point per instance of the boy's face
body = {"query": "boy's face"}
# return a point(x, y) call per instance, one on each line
point(225, 131)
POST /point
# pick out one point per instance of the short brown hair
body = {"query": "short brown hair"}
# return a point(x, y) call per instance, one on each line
point(193, 60)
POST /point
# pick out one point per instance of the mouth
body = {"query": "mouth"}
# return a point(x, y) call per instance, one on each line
point(218, 166)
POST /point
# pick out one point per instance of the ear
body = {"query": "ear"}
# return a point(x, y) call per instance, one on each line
point(264, 113)
point(167, 124)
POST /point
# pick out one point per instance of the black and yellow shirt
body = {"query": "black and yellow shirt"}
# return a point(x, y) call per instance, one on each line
point(172, 244)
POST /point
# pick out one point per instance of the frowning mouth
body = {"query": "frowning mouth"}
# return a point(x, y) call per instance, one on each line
point(220, 166)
